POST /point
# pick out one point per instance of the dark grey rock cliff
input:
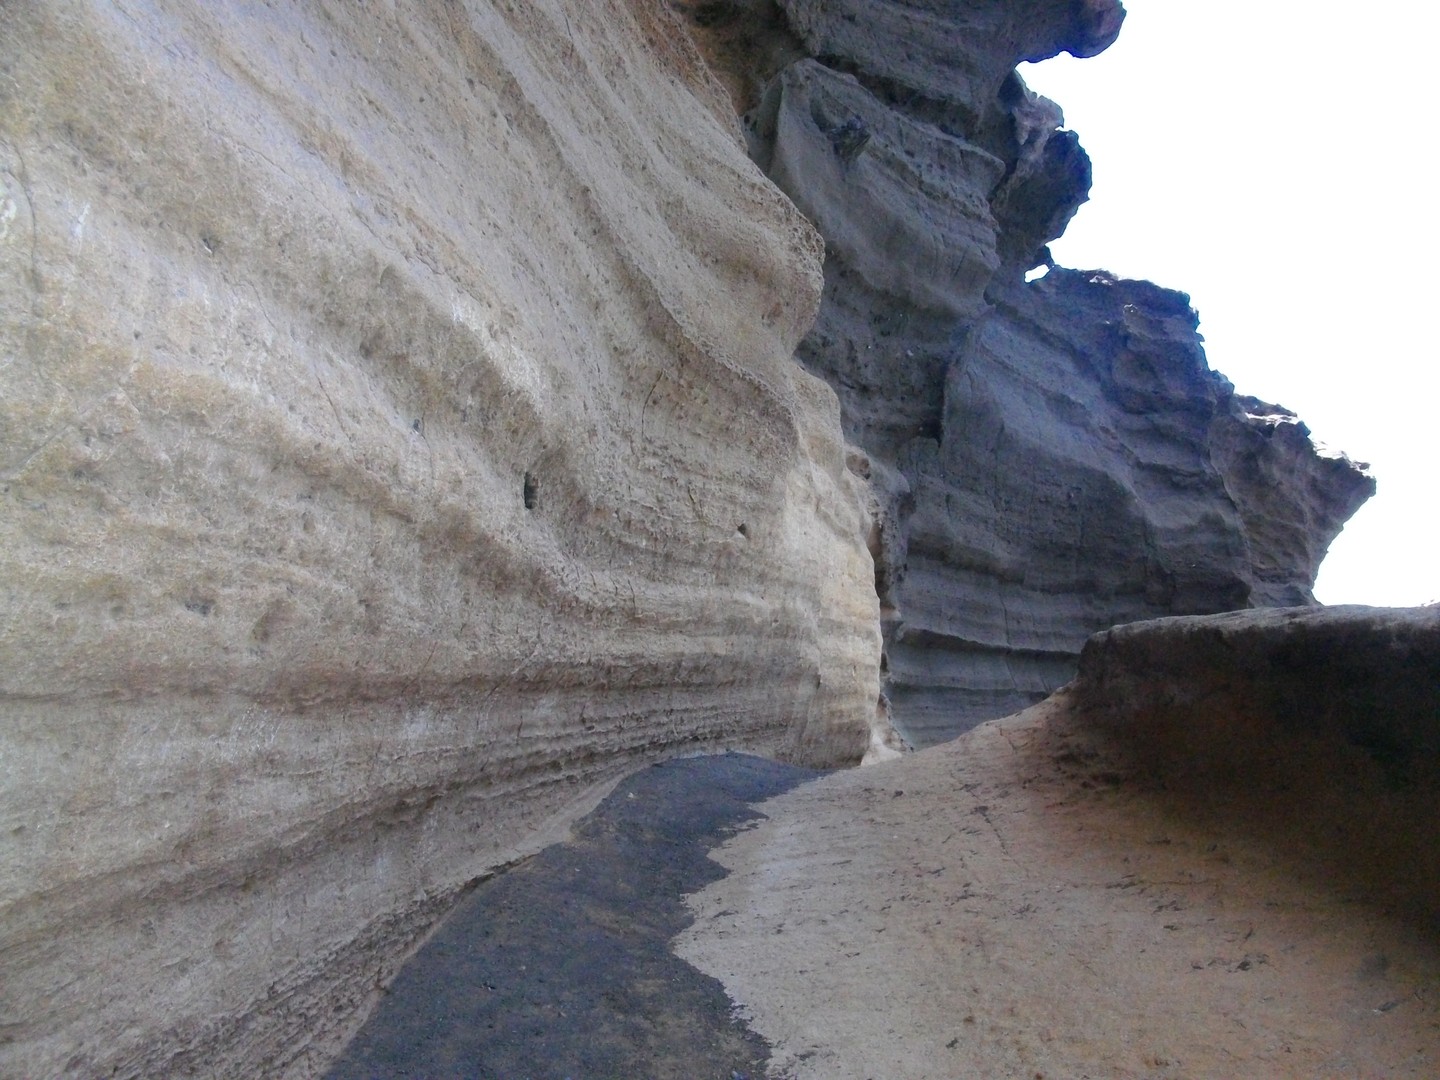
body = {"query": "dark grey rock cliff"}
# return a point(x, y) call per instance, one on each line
point(1048, 459)
point(1090, 469)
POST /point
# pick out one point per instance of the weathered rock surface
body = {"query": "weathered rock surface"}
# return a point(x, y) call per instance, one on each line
point(1091, 469)
point(1047, 459)
point(1217, 854)
point(399, 439)
point(1243, 698)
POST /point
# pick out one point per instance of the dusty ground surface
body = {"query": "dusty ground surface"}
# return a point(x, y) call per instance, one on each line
point(561, 966)
point(1019, 903)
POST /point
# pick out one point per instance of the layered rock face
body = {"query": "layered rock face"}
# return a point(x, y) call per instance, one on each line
point(1091, 469)
point(1048, 459)
point(399, 438)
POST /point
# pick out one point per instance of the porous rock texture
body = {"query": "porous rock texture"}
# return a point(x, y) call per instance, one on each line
point(399, 439)
point(1216, 854)
point(1047, 459)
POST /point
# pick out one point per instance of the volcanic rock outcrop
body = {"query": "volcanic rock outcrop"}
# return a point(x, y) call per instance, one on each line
point(399, 438)
point(1048, 458)
point(1090, 469)
point(1241, 698)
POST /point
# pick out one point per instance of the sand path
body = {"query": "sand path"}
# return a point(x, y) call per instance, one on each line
point(1013, 905)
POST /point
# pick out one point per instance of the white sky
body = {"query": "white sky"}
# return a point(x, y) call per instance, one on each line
point(1277, 161)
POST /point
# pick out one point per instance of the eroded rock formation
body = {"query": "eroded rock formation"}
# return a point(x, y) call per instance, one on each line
point(1090, 469)
point(1217, 852)
point(399, 437)
point(1232, 697)
point(1314, 731)
point(1048, 459)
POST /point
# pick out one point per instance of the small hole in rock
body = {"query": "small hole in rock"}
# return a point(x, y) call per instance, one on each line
point(531, 491)
point(743, 530)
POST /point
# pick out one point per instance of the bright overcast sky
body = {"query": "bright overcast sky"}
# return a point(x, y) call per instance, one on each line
point(1277, 161)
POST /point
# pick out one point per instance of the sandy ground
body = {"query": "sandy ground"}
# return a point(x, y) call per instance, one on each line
point(1014, 904)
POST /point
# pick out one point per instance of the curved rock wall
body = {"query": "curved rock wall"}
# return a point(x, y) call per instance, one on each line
point(399, 438)
point(1314, 730)
point(1047, 459)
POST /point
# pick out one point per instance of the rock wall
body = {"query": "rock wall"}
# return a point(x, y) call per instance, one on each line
point(399, 439)
point(1091, 470)
point(1047, 459)
point(1314, 730)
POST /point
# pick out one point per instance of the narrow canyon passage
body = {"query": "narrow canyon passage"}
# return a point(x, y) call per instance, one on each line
point(415, 417)
point(561, 967)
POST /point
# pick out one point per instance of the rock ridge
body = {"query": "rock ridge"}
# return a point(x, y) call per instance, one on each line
point(1215, 852)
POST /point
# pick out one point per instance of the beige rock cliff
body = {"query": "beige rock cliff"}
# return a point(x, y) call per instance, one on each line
point(399, 438)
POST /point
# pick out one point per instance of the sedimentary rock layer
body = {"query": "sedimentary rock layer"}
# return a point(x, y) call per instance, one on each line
point(399, 437)
point(1046, 459)
point(1091, 469)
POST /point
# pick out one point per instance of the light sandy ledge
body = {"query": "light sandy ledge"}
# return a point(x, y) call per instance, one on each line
point(1030, 901)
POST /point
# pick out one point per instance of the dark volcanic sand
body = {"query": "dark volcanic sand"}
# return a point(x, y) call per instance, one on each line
point(561, 967)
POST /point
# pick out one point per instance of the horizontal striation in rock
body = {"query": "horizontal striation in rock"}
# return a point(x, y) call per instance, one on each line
point(902, 204)
point(400, 440)
point(1046, 460)
point(1085, 475)
point(1292, 494)
point(956, 53)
